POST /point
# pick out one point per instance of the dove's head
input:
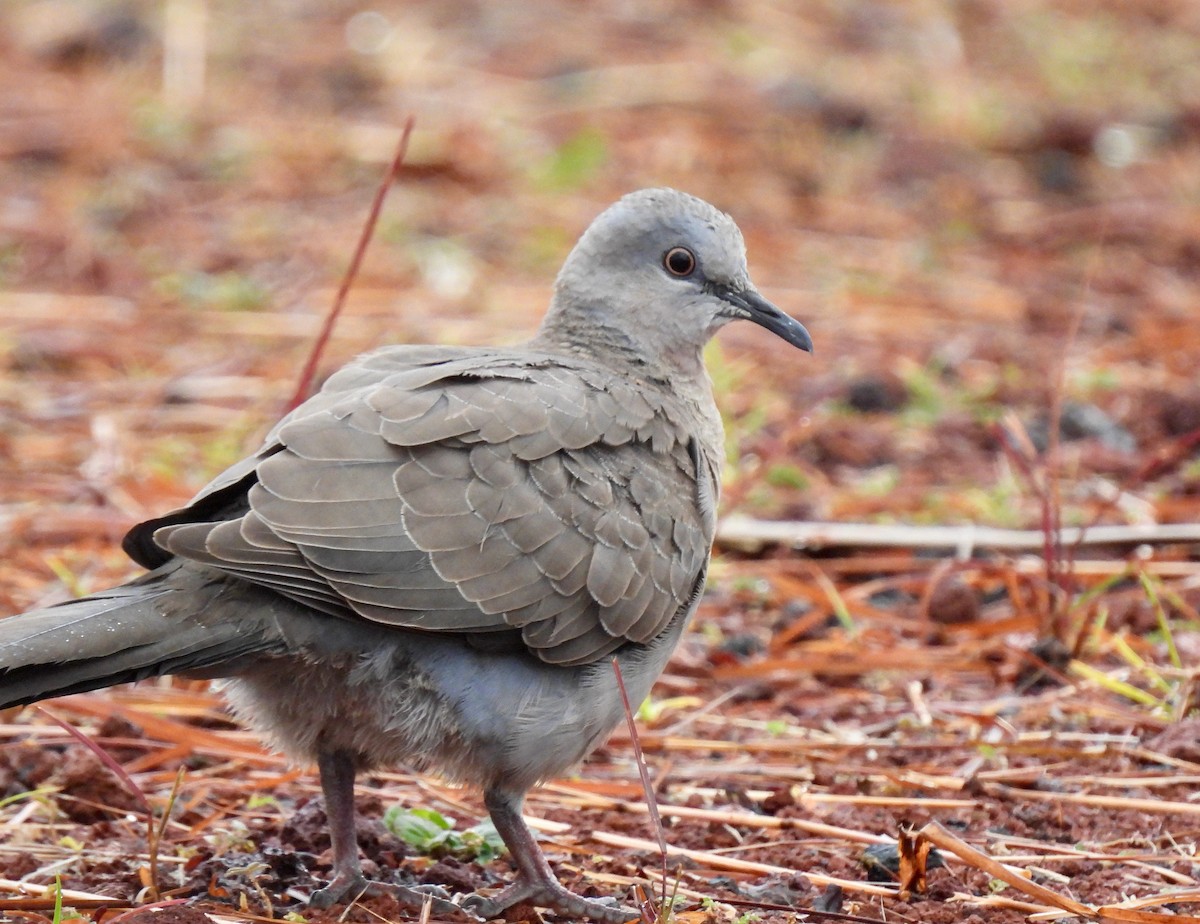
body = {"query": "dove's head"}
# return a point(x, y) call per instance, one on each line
point(656, 275)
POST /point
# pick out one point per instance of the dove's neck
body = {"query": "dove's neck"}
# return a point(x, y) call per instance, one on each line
point(656, 353)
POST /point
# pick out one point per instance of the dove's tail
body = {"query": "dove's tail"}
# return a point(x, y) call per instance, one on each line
point(172, 620)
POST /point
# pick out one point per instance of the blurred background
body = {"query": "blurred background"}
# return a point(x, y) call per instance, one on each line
point(982, 209)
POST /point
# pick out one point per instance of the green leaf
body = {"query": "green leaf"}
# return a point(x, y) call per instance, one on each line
point(433, 834)
point(483, 842)
point(423, 829)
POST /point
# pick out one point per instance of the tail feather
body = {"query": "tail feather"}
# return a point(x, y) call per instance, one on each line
point(173, 620)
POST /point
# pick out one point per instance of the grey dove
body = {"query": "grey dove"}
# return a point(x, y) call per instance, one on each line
point(433, 561)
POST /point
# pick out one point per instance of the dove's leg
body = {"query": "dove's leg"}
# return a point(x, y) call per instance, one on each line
point(535, 882)
point(337, 785)
point(348, 883)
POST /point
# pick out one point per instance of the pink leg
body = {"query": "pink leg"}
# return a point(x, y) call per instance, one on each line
point(337, 783)
point(535, 882)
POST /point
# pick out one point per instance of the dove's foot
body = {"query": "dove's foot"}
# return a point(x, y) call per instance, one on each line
point(535, 882)
point(346, 887)
point(552, 896)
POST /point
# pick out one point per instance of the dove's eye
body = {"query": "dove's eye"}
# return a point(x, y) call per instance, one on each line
point(679, 261)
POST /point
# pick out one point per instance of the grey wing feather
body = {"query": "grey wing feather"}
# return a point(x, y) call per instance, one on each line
point(460, 491)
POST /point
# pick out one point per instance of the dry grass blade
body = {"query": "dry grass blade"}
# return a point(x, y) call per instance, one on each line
point(749, 535)
point(39, 897)
point(733, 864)
point(1137, 916)
point(1131, 912)
point(948, 842)
point(157, 831)
point(147, 907)
point(708, 916)
point(1154, 806)
point(1034, 911)
point(221, 744)
point(745, 819)
point(1183, 895)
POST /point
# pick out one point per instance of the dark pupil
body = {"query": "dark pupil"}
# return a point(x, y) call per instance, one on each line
point(680, 261)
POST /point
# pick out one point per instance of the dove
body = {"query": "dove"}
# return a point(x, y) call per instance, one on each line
point(433, 562)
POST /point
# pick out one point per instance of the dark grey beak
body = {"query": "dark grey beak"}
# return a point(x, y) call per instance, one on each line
point(753, 307)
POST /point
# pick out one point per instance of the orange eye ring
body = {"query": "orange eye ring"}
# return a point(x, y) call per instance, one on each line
point(679, 261)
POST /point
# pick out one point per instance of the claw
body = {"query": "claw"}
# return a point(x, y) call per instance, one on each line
point(341, 888)
point(350, 888)
point(535, 882)
point(550, 896)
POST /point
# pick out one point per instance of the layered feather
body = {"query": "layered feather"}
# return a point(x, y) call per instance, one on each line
point(463, 490)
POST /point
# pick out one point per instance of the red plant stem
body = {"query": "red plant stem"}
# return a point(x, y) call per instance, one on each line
point(647, 786)
point(304, 385)
point(103, 756)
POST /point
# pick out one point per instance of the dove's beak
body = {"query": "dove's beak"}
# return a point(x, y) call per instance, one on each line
point(751, 306)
